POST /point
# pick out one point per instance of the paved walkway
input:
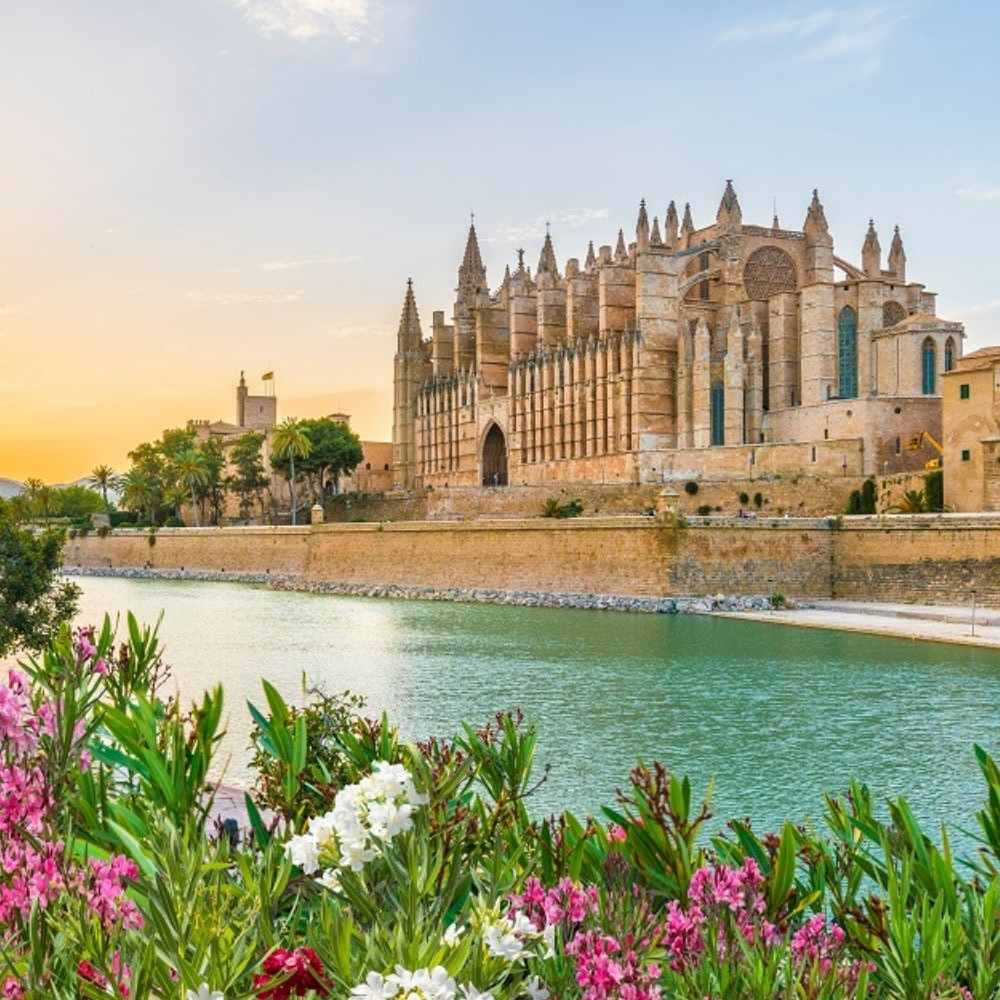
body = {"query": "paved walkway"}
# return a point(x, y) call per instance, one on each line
point(936, 623)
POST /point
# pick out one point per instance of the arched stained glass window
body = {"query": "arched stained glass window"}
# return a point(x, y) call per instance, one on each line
point(847, 353)
point(718, 413)
point(928, 367)
point(949, 354)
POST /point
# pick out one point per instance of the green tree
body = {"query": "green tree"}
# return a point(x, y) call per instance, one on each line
point(290, 441)
point(193, 474)
point(336, 450)
point(139, 493)
point(249, 480)
point(213, 490)
point(34, 600)
point(46, 500)
point(934, 490)
point(77, 502)
point(103, 478)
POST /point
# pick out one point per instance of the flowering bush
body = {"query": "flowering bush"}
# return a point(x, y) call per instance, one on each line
point(418, 873)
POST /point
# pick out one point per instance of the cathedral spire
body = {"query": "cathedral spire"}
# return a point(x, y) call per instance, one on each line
point(729, 215)
point(472, 273)
point(654, 236)
point(871, 252)
point(621, 253)
point(897, 256)
point(547, 259)
point(687, 226)
point(670, 225)
point(409, 335)
point(591, 260)
point(642, 227)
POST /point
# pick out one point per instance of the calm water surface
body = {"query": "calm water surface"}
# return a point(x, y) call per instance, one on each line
point(777, 714)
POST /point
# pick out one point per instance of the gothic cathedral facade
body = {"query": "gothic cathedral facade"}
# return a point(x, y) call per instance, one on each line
point(719, 352)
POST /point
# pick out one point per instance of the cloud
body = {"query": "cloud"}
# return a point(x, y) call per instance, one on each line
point(527, 229)
point(291, 263)
point(358, 330)
point(245, 298)
point(826, 34)
point(979, 192)
point(350, 20)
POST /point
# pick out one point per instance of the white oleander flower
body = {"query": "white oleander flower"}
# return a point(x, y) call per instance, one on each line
point(549, 937)
point(303, 850)
point(423, 984)
point(469, 992)
point(501, 943)
point(451, 936)
point(329, 880)
point(522, 925)
point(204, 993)
point(375, 987)
point(535, 989)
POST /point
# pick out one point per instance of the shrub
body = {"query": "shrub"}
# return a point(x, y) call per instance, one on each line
point(103, 531)
point(122, 518)
point(744, 499)
point(854, 502)
point(704, 510)
point(151, 537)
point(869, 496)
point(383, 857)
point(778, 600)
point(357, 518)
point(934, 490)
point(173, 522)
point(555, 508)
point(691, 488)
point(758, 500)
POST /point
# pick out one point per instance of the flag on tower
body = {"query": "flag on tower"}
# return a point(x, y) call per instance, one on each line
point(267, 377)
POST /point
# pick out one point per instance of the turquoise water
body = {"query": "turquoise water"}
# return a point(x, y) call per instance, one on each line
point(777, 714)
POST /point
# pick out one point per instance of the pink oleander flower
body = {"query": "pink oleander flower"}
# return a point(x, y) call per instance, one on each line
point(617, 833)
point(608, 969)
point(119, 969)
point(566, 904)
point(12, 989)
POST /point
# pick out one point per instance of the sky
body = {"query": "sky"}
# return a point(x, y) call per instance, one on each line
point(191, 188)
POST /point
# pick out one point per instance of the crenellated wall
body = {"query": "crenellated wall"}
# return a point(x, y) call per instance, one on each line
point(920, 558)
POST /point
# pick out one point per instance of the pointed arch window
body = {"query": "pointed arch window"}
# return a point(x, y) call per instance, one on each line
point(949, 354)
point(718, 400)
point(928, 368)
point(847, 353)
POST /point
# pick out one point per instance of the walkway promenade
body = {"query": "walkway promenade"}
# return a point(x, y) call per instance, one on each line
point(936, 623)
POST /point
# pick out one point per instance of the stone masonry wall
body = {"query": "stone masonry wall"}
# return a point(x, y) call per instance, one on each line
point(920, 558)
point(798, 496)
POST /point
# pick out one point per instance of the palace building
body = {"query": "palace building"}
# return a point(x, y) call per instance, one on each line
point(712, 352)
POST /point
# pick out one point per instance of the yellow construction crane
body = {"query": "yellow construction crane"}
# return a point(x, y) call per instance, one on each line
point(917, 440)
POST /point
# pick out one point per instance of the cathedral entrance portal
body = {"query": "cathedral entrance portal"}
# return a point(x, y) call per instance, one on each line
point(494, 460)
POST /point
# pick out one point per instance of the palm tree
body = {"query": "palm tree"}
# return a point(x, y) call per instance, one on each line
point(138, 493)
point(104, 478)
point(46, 497)
point(31, 488)
point(191, 469)
point(291, 441)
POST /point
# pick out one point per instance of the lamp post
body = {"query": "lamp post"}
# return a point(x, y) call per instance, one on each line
point(973, 611)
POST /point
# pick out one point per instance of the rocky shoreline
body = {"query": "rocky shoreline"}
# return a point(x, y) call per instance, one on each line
point(522, 598)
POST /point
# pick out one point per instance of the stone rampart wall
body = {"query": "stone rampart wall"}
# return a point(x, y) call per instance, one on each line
point(921, 558)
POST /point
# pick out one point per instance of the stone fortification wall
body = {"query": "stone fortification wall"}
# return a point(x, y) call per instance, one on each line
point(919, 558)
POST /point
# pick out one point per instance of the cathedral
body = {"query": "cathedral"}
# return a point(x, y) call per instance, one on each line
point(722, 352)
